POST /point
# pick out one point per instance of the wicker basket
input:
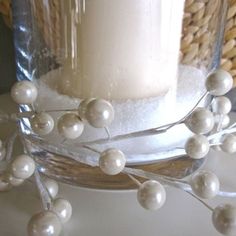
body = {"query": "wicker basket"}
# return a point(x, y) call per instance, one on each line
point(197, 30)
point(5, 10)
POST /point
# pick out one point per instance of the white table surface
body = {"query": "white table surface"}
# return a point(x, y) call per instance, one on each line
point(103, 213)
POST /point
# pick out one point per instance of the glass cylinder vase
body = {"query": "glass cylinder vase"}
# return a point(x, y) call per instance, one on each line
point(125, 53)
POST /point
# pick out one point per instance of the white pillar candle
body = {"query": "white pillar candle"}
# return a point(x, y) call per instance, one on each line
point(120, 49)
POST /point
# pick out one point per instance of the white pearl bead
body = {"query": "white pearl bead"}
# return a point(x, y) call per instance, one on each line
point(229, 143)
point(52, 187)
point(99, 113)
point(45, 223)
point(63, 209)
point(4, 184)
point(224, 219)
point(83, 107)
point(151, 195)
point(197, 146)
point(42, 123)
point(24, 92)
point(70, 126)
point(205, 184)
point(112, 161)
point(201, 121)
point(13, 180)
point(219, 82)
point(23, 167)
point(224, 119)
point(221, 105)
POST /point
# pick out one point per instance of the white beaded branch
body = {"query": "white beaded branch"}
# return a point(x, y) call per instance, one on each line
point(99, 113)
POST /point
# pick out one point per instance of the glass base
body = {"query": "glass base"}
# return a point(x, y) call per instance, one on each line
point(153, 153)
point(71, 172)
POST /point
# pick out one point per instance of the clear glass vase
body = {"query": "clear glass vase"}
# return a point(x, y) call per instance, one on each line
point(126, 52)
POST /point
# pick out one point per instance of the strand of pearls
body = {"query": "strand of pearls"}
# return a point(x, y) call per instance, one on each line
point(207, 124)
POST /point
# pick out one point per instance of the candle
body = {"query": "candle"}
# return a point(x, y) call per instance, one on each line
point(120, 49)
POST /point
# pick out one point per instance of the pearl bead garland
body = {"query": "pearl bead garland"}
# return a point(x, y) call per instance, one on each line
point(112, 161)
point(45, 223)
point(221, 105)
point(70, 126)
point(229, 143)
point(83, 108)
point(22, 167)
point(224, 219)
point(63, 209)
point(219, 82)
point(151, 195)
point(197, 146)
point(99, 113)
point(205, 184)
point(42, 123)
point(201, 121)
point(24, 92)
point(52, 187)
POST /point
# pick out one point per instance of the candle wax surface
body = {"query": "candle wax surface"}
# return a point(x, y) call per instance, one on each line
point(120, 49)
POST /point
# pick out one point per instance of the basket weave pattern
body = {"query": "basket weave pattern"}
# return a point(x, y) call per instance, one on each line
point(197, 44)
point(51, 34)
point(198, 30)
point(5, 10)
point(228, 61)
